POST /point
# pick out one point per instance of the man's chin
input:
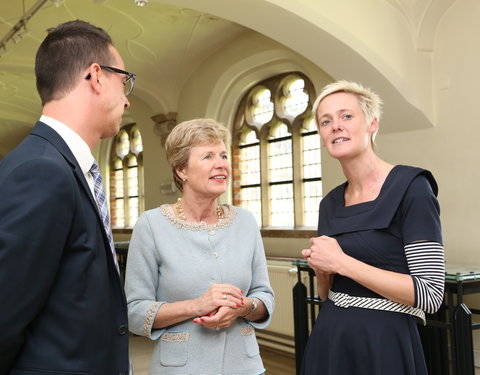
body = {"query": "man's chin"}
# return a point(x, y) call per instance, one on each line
point(111, 133)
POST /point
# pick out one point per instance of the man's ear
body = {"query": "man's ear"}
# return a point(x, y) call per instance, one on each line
point(93, 76)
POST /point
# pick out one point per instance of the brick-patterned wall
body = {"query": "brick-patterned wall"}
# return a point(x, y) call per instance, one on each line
point(113, 194)
point(236, 176)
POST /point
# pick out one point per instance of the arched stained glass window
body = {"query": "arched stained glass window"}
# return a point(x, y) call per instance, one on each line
point(126, 178)
point(276, 153)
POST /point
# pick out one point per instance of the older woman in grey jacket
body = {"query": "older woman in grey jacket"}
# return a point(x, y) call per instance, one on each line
point(196, 279)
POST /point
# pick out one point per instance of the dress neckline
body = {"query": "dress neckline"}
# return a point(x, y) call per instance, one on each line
point(362, 206)
point(230, 213)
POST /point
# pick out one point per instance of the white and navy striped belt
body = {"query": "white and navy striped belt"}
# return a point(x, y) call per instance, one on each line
point(345, 300)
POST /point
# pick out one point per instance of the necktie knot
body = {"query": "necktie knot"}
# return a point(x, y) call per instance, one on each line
point(94, 168)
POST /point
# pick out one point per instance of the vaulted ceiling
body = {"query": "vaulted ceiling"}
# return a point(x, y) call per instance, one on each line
point(162, 43)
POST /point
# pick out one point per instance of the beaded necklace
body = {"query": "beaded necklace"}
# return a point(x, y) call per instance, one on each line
point(181, 215)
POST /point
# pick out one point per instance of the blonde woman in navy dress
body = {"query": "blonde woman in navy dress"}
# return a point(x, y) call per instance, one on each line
point(378, 257)
point(197, 280)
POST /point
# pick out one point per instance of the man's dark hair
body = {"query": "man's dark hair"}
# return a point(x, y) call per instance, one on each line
point(67, 50)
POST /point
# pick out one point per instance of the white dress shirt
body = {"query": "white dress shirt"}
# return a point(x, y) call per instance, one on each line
point(76, 144)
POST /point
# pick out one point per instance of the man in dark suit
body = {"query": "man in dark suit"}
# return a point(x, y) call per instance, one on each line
point(63, 306)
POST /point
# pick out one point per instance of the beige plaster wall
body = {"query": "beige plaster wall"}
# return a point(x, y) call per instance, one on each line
point(445, 81)
point(448, 149)
point(381, 34)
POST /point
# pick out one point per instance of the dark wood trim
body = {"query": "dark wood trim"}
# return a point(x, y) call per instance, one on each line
point(288, 233)
point(280, 233)
point(122, 230)
point(283, 259)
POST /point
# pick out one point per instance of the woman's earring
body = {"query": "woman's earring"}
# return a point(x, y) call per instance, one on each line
point(184, 179)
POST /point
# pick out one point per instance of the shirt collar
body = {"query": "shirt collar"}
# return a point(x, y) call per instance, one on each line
point(75, 143)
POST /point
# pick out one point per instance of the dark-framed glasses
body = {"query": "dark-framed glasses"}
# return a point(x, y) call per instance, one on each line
point(128, 82)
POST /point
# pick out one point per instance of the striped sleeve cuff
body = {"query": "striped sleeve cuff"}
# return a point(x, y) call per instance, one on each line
point(426, 263)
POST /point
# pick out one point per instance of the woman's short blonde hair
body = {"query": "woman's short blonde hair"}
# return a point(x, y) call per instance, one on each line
point(188, 134)
point(370, 103)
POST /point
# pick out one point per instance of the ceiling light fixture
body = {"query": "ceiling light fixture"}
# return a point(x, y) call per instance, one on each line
point(20, 34)
point(141, 3)
point(19, 30)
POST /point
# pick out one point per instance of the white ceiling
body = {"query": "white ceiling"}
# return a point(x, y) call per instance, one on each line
point(162, 44)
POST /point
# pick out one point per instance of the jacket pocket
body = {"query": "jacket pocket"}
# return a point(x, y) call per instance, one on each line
point(250, 340)
point(174, 348)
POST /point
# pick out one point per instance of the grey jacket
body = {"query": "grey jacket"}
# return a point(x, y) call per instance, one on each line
point(171, 260)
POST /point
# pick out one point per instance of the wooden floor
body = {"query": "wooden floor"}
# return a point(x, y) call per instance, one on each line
point(278, 363)
point(141, 351)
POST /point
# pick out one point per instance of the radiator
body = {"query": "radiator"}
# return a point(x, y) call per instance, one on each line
point(279, 335)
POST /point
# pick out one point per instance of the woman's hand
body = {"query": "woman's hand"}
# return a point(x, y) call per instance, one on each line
point(217, 296)
point(221, 318)
point(325, 255)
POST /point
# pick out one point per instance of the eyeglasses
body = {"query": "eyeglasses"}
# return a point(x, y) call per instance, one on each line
point(129, 81)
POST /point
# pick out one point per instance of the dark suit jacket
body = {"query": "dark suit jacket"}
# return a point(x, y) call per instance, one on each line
point(63, 309)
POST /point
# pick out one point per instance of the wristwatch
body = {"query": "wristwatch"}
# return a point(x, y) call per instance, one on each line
point(254, 307)
point(255, 304)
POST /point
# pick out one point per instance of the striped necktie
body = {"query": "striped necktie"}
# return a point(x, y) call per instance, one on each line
point(102, 206)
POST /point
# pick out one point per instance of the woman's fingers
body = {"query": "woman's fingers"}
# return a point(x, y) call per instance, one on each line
point(222, 318)
point(228, 295)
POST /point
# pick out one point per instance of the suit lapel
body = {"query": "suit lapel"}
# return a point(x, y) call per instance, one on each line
point(42, 130)
point(46, 132)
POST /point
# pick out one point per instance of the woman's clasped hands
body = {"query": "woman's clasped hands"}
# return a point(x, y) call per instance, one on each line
point(219, 306)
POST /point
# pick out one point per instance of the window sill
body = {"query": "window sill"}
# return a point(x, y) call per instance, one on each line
point(288, 233)
point(122, 230)
point(266, 232)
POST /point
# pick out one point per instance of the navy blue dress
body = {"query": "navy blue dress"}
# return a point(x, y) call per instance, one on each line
point(358, 341)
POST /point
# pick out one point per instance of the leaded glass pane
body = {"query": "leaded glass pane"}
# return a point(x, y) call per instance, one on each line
point(280, 131)
point(118, 180)
point(261, 110)
point(132, 161)
point(281, 204)
point(250, 165)
point(117, 163)
point(309, 125)
point(296, 101)
point(132, 180)
point(137, 146)
point(248, 138)
point(312, 197)
point(311, 156)
point(119, 213)
point(122, 145)
point(132, 211)
point(251, 200)
point(124, 183)
point(280, 160)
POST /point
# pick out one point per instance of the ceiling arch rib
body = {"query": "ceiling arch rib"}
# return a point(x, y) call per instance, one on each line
point(423, 17)
point(408, 107)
